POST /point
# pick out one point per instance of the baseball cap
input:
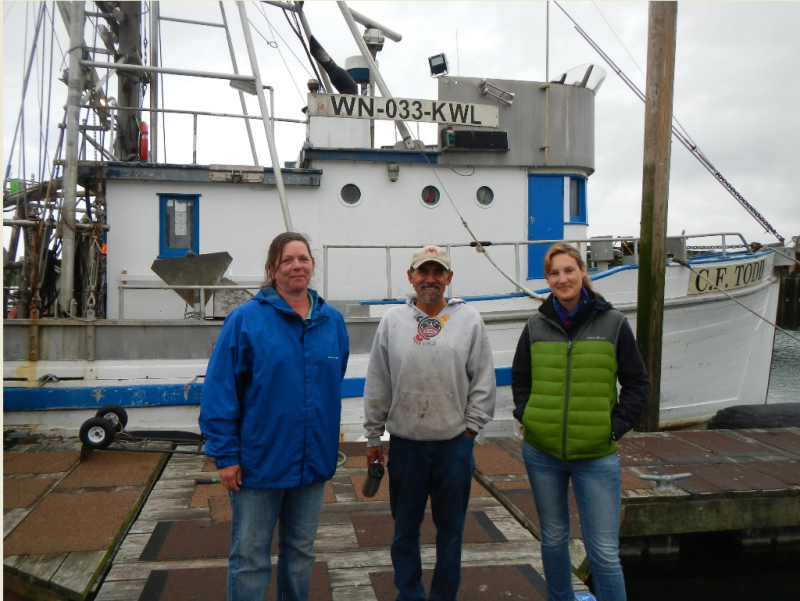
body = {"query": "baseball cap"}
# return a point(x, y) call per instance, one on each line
point(430, 253)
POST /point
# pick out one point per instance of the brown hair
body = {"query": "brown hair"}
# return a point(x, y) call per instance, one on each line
point(562, 248)
point(275, 253)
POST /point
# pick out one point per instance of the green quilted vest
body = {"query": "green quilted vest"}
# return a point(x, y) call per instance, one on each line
point(574, 388)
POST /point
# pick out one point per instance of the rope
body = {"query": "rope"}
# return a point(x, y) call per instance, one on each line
point(689, 267)
point(478, 246)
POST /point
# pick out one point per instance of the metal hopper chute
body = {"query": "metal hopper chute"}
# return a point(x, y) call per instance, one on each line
point(194, 270)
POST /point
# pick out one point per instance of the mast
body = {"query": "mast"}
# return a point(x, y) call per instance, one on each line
point(66, 298)
point(265, 117)
point(129, 84)
point(402, 128)
point(155, 36)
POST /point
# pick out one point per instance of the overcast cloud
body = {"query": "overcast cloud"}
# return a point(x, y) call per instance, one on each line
point(736, 90)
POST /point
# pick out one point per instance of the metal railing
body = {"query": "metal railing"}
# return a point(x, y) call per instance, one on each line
point(196, 114)
point(199, 306)
point(582, 244)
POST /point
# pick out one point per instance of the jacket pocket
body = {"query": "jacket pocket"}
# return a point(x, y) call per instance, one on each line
point(425, 416)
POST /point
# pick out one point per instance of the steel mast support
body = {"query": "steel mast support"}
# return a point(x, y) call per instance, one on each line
point(265, 117)
point(402, 128)
point(75, 88)
point(155, 35)
point(241, 94)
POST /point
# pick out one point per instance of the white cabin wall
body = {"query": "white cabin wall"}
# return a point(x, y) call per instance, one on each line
point(392, 213)
point(238, 219)
point(339, 133)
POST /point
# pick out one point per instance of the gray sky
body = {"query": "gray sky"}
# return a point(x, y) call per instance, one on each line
point(736, 90)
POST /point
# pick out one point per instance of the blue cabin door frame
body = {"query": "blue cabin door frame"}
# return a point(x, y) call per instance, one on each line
point(545, 218)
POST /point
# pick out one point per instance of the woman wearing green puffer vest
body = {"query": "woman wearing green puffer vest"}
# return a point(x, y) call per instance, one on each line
point(564, 380)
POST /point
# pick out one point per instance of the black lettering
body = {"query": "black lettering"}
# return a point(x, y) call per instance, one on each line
point(760, 270)
point(699, 282)
point(721, 271)
point(748, 273)
point(473, 120)
point(738, 269)
point(457, 112)
point(337, 107)
point(417, 115)
point(365, 106)
point(404, 109)
point(437, 110)
point(391, 108)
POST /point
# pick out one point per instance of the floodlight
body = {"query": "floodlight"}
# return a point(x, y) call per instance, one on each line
point(438, 65)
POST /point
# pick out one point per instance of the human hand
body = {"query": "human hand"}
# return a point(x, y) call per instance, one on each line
point(231, 477)
point(374, 454)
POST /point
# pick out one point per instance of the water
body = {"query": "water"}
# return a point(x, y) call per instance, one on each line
point(784, 380)
point(715, 565)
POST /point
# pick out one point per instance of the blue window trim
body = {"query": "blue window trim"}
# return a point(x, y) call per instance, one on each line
point(581, 218)
point(163, 251)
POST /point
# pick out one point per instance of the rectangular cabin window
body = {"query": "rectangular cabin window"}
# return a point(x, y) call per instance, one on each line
point(179, 225)
point(577, 200)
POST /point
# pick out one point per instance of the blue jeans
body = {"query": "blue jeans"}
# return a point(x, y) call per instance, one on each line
point(442, 469)
point(597, 487)
point(255, 512)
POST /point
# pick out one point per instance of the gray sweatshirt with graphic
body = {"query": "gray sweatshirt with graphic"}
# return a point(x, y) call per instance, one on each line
point(429, 378)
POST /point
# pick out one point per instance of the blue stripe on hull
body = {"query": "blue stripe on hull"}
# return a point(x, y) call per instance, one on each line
point(149, 395)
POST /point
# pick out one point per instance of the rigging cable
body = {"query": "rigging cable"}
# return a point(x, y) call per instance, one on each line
point(45, 160)
point(683, 139)
point(297, 31)
point(24, 93)
point(274, 44)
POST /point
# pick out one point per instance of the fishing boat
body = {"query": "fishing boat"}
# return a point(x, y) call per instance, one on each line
point(131, 263)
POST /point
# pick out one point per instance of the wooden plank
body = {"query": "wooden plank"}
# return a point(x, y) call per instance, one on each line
point(40, 568)
point(76, 575)
point(11, 564)
point(353, 593)
point(713, 515)
point(122, 590)
point(171, 514)
point(142, 569)
point(12, 519)
point(132, 547)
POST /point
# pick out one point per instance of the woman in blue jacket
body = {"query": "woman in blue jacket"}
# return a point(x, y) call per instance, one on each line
point(270, 412)
point(564, 376)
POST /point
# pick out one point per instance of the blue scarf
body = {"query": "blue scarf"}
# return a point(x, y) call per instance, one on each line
point(568, 317)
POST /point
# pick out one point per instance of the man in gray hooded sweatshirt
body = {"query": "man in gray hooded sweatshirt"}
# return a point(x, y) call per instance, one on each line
point(431, 384)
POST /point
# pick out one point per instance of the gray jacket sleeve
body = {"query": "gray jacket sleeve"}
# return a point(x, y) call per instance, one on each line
point(482, 383)
point(377, 388)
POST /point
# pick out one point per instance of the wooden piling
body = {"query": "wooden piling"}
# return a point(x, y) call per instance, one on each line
point(655, 191)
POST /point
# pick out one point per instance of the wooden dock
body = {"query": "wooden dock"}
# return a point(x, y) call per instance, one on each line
point(745, 480)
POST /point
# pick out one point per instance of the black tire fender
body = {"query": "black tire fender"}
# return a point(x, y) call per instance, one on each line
point(97, 433)
point(115, 414)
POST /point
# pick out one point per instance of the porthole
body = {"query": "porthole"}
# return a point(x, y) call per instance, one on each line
point(350, 195)
point(430, 196)
point(485, 196)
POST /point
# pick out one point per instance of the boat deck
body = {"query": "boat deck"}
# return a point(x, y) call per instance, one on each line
point(126, 525)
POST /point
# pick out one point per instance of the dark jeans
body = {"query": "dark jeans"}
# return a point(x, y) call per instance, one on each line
point(442, 469)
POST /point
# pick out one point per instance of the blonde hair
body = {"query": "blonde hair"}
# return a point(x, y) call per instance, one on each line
point(562, 248)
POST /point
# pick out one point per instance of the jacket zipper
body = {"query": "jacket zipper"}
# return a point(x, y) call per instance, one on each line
point(566, 402)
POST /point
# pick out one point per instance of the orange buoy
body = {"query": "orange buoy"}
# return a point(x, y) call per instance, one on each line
point(143, 142)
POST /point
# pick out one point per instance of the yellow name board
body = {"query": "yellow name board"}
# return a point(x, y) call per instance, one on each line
point(725, 277)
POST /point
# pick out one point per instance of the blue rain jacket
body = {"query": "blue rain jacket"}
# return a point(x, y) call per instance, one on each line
point(272, 394)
